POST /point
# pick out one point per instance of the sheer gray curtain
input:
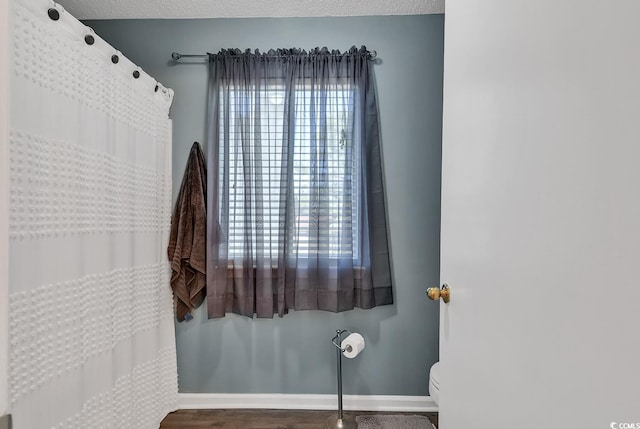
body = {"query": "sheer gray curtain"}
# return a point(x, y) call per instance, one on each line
point(296, 205)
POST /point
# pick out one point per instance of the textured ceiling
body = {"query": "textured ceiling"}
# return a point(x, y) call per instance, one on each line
point(131, 9)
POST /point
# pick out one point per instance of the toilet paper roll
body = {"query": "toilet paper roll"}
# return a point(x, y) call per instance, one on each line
point(352, 345)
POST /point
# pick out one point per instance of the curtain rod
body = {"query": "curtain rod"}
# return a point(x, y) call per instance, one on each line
point(176, 56)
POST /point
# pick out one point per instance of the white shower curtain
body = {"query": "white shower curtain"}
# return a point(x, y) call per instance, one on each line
point(91, 324)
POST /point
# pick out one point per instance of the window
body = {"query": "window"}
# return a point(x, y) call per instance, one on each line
point(318, 170)
point(297, 218)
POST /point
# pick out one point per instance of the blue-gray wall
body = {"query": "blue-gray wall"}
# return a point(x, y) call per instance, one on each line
point(294, 354)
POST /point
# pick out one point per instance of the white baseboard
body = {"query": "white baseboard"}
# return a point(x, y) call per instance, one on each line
point(277, 401)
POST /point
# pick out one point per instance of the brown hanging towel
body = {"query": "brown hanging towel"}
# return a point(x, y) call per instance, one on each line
point(187, 241)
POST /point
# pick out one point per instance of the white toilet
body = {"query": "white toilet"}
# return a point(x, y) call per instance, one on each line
point(434, 382)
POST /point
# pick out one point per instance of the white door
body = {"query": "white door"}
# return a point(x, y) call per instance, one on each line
point(541, 215)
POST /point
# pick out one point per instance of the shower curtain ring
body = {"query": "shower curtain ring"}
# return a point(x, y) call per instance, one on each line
point(88, 38)
point(53, 14)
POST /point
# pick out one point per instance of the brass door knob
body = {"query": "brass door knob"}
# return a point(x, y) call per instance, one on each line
point(434, 293)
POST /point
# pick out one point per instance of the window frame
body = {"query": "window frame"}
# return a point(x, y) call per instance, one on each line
point(276, 85)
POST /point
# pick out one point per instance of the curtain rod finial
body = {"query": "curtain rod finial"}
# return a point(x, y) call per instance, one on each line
point(175, 56)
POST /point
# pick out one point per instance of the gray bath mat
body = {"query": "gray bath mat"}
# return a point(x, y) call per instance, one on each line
point(393, 422)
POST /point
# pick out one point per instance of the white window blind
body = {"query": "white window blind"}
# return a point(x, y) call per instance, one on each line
point(319, 183)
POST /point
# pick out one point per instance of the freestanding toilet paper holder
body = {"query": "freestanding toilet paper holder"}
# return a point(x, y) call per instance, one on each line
point(339, 421)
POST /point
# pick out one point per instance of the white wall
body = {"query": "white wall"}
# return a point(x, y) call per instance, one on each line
point(4, 204)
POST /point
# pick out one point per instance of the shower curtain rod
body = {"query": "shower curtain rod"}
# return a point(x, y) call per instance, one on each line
point(176, 56)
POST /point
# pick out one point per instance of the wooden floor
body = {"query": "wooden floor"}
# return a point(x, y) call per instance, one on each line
point(259, 419)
